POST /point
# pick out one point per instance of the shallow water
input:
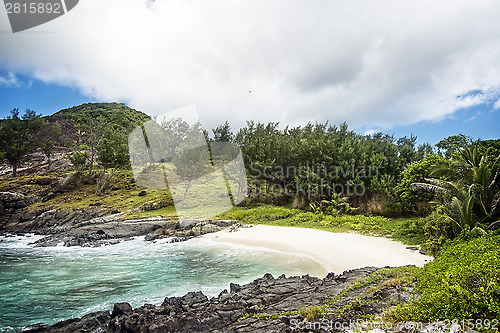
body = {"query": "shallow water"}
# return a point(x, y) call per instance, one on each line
point(51, 284)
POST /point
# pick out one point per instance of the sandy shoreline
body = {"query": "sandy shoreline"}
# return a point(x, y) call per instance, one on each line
point(336, 252)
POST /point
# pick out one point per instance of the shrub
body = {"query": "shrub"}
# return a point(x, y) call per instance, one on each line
point(410, 200)
point(79, 160)
point(462, 283)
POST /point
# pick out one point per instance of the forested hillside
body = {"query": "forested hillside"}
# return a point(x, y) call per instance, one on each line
point(92, 130)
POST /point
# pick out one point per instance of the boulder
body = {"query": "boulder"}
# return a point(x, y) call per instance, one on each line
point(121, 309)
point(15, 200)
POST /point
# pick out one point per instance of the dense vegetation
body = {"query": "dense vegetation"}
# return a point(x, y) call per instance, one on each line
point(101, 133)
point(462, 283)
point(315, 161)
point(98, 133)
point(21, 135)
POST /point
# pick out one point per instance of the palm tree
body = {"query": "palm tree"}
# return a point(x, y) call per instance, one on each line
point(471, 191)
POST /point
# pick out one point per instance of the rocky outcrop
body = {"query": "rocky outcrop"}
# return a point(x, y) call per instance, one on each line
point(92, 226)
point(14, 200)
point(10, 203)
point(75, 229)
point(48, 220)
point(267, 304)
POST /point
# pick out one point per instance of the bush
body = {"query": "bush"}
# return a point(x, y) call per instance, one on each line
point(462, 283)
point(79, 160)
point(413, 201)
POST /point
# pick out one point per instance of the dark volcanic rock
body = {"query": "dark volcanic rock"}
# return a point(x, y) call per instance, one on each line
point(245, 307)
point(88, 227)
point(121, 309)
point(10, 204)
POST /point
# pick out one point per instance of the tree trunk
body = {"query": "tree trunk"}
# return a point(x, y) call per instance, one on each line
point(91, 160)
point(14, 169)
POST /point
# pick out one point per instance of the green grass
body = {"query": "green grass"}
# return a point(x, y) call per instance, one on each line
point(368, 225)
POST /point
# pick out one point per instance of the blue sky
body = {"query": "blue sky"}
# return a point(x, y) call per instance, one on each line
point(427, 68)
point(45, 98)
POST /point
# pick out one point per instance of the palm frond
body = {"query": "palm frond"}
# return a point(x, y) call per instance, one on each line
point(429, 188)
point(495, 180)
point(449, 219)
point(478, 231)
point(440, 170)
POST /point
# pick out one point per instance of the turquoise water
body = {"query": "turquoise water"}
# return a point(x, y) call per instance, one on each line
point(51, 284)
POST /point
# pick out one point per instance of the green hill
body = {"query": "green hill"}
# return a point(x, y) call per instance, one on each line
point(74, 118)
point(116, 113)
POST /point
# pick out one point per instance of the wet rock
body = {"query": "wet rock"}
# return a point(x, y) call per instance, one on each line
point(151, 237)
point(179, 239)
point(121, 309)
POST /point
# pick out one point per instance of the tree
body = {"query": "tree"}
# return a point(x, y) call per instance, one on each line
point(472, 194)
point(93, 132)
point(18, 136)
point(113, 150)
point(48, 138)
point(79, 160)
point(223, 133)
point(409, 198)
point(174, 132)
point(193, 161)
point(453, 143)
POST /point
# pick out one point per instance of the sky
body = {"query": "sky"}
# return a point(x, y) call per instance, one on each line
point(424, 68)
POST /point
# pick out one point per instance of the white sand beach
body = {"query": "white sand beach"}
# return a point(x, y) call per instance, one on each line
point(336, 252)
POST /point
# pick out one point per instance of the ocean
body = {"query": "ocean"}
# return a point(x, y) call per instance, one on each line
point(46, 285)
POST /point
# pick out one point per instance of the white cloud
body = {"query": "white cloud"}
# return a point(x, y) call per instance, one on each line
point(496, 105)
point(370, 64)
point(470, 119)
point(9, 80)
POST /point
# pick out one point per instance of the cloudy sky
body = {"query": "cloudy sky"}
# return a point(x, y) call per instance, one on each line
point(430, 68)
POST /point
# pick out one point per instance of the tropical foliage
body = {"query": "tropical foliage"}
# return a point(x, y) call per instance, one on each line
point(469, 189)
point(318, 160)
